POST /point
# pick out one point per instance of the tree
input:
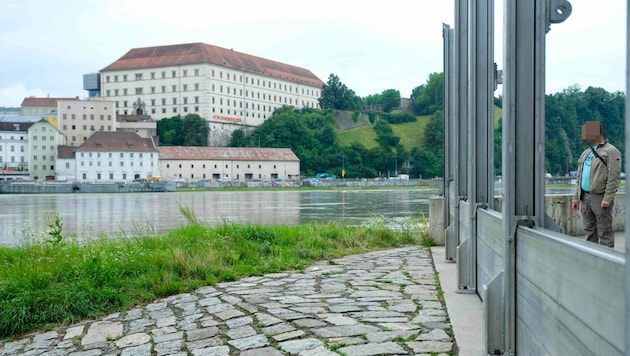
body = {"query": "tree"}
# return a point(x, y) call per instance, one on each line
point(195, 130)
point(336, 95)
point(170, 131)
point(238, 139)
point(391, 100)
point(431, 97)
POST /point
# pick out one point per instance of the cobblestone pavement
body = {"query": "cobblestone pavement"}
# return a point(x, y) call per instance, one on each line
point(380, 303)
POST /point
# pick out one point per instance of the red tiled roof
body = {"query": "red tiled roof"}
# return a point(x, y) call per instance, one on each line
point(226, 153)
point(107, 141)
point(201, 53)
point(65, 152)
point(31, 101)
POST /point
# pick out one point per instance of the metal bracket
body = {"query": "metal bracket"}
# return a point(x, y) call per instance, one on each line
point(559, 10)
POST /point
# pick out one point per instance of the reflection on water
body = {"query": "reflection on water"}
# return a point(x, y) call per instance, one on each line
point(88, 215)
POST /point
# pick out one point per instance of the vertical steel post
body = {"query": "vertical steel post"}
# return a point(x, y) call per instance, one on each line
point(526, 24)
point(461, 129)
point(450, 137)
point(480, 120)
point(627, 153)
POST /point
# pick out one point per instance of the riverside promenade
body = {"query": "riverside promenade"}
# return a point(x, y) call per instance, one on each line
point(378, 303)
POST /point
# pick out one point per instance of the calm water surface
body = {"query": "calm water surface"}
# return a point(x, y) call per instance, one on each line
point(88, 215)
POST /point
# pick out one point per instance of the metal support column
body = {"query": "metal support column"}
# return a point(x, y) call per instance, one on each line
point(480, 123)
point(450, 137)
point(627, 153)
point(461, 143)
point(526, 23)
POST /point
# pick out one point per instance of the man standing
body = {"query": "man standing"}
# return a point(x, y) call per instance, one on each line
point(598, 173)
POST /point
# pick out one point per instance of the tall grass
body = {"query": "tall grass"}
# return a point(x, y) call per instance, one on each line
point(61, 281)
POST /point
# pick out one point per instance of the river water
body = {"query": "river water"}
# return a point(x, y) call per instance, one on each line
point(24, 216)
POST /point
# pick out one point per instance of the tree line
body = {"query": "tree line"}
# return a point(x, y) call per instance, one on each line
point(312, 133)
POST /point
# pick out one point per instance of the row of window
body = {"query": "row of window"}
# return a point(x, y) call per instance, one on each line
point(74, 117)
point(52, 138)
point(92, 127)
point(254, 94)
point(52, 147)
point(12, 159)
point(173, 74)
point(122, 163)
point(99, 176)
point(36, 167)
point(69, 107)
point(12, 148)
point(44, 158)
point(168, 165)
point(139, 76)
point(110, 154)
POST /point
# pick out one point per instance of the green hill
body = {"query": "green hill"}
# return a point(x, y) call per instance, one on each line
point(411, 134)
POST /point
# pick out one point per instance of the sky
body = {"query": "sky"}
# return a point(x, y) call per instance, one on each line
point(47, 46)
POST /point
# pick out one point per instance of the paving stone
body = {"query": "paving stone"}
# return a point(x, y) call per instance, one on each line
point(309, 323)
point(318, 351)
point(289, 335)
point(296, 346)
point(178, 335)
point(251, 342)
point(345, 331)
point(383, 336)
point(140, 350)
point(386, 348)
point(73, 332)
point(265, 351)
point(236, 322)
point(434, 335)
point(199, 334)
point(241, 332)
point(168, 348)
point(430, 346)
point(101, 331)
point(229, 314)
point(133, 340)
point(213, 351)
point(278, 329)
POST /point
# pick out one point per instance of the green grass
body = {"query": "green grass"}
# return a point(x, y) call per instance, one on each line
point(61, 281)
point(411, 134)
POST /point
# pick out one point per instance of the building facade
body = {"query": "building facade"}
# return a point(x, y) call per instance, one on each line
point(14, 145)
point(79, 119)
point(228, 163)
point(43, 141)
point(111, 156)
point(231, 90)
point(33, 106)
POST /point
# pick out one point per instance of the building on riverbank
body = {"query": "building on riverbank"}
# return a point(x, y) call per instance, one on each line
point(230, 89)
point(228, 163)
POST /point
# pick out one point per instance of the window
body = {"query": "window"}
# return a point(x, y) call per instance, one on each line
point(196, 86)
point(152, 90)
point(152, 75)
point(138, 91)
point(185, 87)
point(98, 176)
point(163, 88)
point(163, 75)
point(174, 88)
point(125, 91)
point(184, 73)
point(124, 77)
point(196, 72)
point(138, 76)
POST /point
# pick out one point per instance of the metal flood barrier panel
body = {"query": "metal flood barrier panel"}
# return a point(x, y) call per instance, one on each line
point(569, 296)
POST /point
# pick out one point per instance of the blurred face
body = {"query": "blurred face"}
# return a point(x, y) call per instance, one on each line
point(591, 132)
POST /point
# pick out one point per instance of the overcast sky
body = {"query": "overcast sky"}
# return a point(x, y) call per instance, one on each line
point(47, 46)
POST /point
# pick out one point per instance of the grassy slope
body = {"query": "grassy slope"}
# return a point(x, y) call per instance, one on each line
point(411, 134)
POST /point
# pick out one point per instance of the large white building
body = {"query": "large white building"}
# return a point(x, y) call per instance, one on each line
point(231, 90)
point(231, 163)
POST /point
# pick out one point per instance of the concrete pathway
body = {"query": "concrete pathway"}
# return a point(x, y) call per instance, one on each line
point(380, 303)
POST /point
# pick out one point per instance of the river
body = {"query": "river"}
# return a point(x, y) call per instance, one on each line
point(23, 216)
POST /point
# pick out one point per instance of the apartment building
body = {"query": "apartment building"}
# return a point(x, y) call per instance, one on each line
point(79, 119)
point(230, 89)
point(43, 141)
point(14, 145)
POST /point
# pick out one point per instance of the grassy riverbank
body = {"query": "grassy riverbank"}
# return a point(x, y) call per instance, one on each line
point(61, 281)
